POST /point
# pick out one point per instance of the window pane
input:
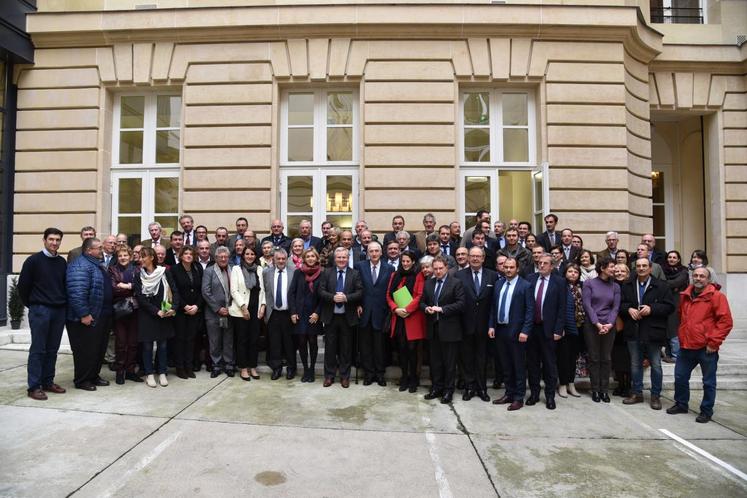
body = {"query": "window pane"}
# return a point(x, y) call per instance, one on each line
point(340, 108)
point(341, 221)
point(130, 195)
point(477, 144)
point(168, 224)
point(167, 195)
point(476, 196)
point(660, 222)
point(476, 109)
point(339, 194)
point(130, 147)
point(131, 115)
point(131, 227)
point(167, 146)
point(538, 180)
point(339, 144)
point(168, 108)
point(515, 145)
point(515, 195)
point(301, 109)
point(657, 186)
point(293, 221)
point(300, 144)
point(514, 109)
point(300, 193)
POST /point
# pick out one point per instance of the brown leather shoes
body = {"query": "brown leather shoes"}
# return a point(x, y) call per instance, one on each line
point(633, 399)
point(503, 400)
point(345, 383)
point(516, 405)
point(655, 403)
point(37, 394)
point(54, 388)
point(328, 382)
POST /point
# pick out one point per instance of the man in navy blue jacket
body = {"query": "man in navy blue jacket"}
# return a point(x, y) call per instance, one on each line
point(550, 294)
point(373, 313)
point(511, 324)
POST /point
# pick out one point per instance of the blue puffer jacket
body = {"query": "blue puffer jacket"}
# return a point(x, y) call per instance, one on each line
point(85, 288)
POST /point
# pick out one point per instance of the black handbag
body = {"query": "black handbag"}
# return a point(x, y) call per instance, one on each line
point(123, 308)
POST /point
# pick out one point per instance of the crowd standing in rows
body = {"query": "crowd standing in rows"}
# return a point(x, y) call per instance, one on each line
point(495, 298)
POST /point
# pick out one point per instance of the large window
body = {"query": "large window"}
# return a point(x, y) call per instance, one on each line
point(319, 157)
point(145, 163)
point(499, 170)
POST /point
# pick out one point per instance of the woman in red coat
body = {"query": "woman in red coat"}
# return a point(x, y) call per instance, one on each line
point(408, 323)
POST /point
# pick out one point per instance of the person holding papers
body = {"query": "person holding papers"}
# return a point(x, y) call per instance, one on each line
point(408, 321)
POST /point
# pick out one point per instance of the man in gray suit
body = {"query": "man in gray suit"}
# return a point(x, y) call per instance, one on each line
point(217, 294)
point(277, 281)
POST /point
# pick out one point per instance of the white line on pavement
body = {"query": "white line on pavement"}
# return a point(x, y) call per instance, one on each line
point(705, 454)
point(444, 490)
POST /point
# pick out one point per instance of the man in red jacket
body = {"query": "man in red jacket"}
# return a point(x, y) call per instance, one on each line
point(705, 321)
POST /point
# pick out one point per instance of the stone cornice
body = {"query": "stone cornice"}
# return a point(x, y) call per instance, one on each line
point(402, 21)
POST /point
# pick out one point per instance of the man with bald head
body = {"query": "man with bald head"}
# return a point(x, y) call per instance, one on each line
point(277, 237)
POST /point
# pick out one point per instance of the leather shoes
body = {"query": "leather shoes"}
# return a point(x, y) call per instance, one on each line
point(483, 395)
point(182, 373)
point(120, 378)
point(503, 400)
point(516, 405)
point(675, 409)
point(214, 374)
point(230, 372)
point(532, 400)
point(467, 395)
point(100, 382)
point(37, 394)
point(381, 382)
point(54, 388)
point(413, 389)
point(604, 397)
point(328, 382)
point(655, 403)
point(276, 374)
point(367, 381)
point(460, 384)
point(402, 387)
point(86, 386)
point(290, 374)
point(345, 383)
point(433, 394)
point(595, 397)
point(703, 418)
point(633, 399)
point(550, 405)
point(447, 398)
point(134, 377)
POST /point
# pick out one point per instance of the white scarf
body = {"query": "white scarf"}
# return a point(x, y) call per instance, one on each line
point(151, 282)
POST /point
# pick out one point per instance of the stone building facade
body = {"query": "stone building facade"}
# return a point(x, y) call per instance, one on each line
point(348, 110)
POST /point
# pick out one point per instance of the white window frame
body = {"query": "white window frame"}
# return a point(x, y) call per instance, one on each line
point(495, 96)
point(149, 130)
point(320, 127)
point(319, 193)
point(148, 201)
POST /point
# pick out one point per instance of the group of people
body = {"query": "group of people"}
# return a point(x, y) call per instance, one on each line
point(527, 306)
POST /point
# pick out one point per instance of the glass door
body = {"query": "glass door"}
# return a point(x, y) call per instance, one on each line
point(141, 197)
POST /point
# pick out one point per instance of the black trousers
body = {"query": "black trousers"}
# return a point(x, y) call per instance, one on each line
point(187, 328)
point(247, 337)
point(513, 359)
point(408, 356)
point(474, 354)
point(372, 352)
point(338, 347)
point(541, 362)
point(89, 346)
point(566, 354)
point(280, 341)
point(494, 354)
point(443, 362)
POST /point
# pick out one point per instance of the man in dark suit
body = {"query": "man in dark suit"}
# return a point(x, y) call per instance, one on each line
point(309, 241)
point(443, 302)
point(480, 240)
point(277, 237)
point(242, 224)
point(277, 281)
point(221, 240)
point(654, 255)
point(373, 313)
point(448, 246)
point(478, 283)
point(510, 323)
point(340, 291)
point(549, 237)
point(550, 297)
point(570, 253)
point(109, 252)
point(172, 253)
point(360, 246)
point(398, 224)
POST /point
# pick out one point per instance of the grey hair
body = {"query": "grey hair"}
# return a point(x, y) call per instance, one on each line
point(612, 234)
point(341, 250)
point(402, 232)
point(221, 250)
point(280, 251)
point(154, 224)
point(426, 260)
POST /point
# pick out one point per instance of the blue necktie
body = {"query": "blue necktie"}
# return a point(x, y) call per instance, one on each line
point(279, 291)
point(438, 290)
point(340, 285)
point(641, 291)
point(445, 249)
point(477, 283)
point(502, 318)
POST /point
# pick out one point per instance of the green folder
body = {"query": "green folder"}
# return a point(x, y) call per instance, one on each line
point(402, 297)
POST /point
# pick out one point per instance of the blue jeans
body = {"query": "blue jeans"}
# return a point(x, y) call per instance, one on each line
point(161, 357)
point(47, 324)
point(687, 360)
point(673, 347)
point(636, 367)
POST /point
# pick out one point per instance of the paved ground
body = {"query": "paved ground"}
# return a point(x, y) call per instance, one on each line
point(226, 437)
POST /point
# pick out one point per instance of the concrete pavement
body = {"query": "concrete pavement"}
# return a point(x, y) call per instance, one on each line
point(227, 437)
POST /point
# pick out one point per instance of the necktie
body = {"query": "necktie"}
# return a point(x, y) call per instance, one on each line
point(279, 291)
point(477, 283)
point(641, 291)
point(552, 238)
point(340, 286)
point(445, 249)
point(566, 251)
point(186, 239)
point(502, 317)
point(538, 302)
point(374, 273)
point(439, 283)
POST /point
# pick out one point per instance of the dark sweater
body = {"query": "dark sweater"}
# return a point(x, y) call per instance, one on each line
point(42, 280)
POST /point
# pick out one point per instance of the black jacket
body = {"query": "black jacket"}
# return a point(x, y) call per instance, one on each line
point(477, 306)
point(353, 290)
point(653, 328)
point(452, 301)
point(190, 292)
